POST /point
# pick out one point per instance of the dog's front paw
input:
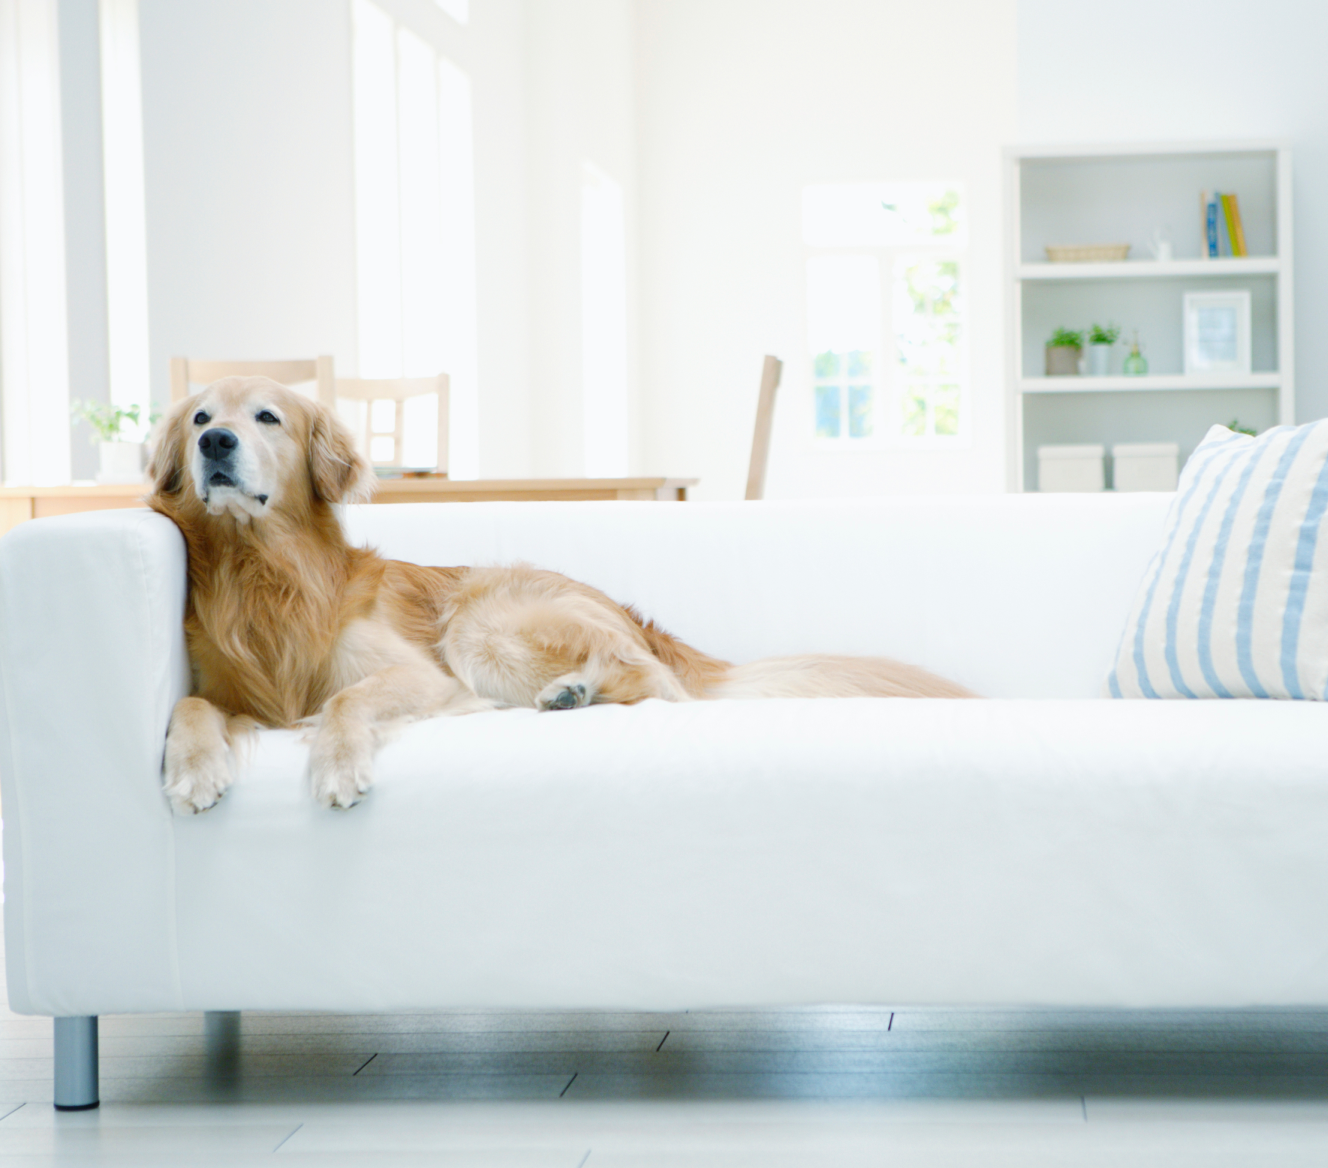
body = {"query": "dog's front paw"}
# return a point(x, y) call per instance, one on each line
point(195, 779)
point(340, 771)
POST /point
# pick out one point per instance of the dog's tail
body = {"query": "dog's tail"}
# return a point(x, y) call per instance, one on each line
point(816, 676)
point(811, 676)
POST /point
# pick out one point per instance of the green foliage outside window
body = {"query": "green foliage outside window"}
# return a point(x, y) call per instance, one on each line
point(825, 365)
point(942, 212)
point(927, 341)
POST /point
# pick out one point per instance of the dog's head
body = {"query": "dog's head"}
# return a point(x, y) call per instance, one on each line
point(248, 447)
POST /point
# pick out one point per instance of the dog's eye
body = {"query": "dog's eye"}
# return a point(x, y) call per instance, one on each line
point(201, 418)
point(267, 417)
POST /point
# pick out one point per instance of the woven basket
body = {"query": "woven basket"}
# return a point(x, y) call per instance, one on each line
point(1088, 253)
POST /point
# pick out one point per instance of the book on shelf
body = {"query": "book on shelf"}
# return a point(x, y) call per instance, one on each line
point(1235, 229)
point(1223, 232)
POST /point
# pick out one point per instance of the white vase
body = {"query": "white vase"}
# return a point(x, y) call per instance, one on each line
point(1099, 360)
point(120, 462)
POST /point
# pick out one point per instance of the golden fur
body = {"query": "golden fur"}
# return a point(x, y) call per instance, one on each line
point(286, 621)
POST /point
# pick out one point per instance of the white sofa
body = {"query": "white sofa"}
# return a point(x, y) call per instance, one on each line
point(1043, 847)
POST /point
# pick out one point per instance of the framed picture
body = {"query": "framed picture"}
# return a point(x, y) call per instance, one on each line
point(1217, 332)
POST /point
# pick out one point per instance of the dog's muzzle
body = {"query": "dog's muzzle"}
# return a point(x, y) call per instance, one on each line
point(218, 447)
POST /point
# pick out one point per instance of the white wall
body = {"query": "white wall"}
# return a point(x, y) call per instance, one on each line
point(247, 155)
point(495, 60)
point(1180, 71)
point(743, 103)
point(580, 97)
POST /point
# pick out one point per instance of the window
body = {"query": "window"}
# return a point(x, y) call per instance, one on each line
point(415, 230)
point(885, 261)
point(844, 328)
point(927, 339)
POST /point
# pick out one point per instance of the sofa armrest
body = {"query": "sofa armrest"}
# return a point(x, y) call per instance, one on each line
point(92, 660)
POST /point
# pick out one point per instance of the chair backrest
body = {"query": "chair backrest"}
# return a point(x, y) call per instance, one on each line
point(396, 390)
point(771, 369)
point(186, 372)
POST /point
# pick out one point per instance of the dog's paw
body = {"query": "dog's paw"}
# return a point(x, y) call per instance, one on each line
point(566, 693)
point(195, 780)
point(340, 772)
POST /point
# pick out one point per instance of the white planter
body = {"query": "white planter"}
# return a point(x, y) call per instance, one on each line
point(120, 462)
point(1099, 360)
point(1071, 468)
point(1063, 361)
point(1145, 466)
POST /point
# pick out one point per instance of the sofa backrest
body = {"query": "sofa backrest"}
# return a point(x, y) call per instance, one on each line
point(1013, 595)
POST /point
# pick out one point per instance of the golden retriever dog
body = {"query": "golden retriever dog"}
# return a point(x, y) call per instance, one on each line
point(287, 624)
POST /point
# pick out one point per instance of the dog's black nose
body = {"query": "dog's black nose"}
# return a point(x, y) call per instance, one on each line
point(217, 443)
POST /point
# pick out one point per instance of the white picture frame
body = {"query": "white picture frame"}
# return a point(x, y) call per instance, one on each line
point(1217, 331)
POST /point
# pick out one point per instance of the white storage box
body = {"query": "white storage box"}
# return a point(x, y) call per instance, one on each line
point(1071, 468)
point(1145, 466)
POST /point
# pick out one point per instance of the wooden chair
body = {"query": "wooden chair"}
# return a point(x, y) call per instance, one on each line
point(771, 370)
point(186, 372)
point(396, 390)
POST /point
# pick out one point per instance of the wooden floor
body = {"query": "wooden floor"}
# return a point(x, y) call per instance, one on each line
point(841, 1087)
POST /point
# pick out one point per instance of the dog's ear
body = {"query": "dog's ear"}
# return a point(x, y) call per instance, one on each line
point(339, 473)
point(166, 465)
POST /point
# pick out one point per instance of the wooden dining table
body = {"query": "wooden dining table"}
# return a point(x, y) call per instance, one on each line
point(18, 504)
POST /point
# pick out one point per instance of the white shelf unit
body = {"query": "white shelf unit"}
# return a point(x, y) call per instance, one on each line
point(1168, 381)
point(1123, 193)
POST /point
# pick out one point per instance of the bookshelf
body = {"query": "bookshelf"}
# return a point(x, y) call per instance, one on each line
point(1120, 193)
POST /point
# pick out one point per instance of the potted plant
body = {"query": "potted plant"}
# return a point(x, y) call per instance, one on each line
point(1100, 341)
point(1063, 352)
point(119, 460)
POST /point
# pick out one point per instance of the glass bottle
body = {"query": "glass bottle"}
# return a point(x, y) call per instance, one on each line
point(1135, 364)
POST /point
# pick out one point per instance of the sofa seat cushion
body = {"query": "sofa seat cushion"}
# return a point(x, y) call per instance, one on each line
point(777, 852)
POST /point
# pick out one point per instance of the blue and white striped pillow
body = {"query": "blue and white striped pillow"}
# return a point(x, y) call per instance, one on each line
point(1235, 603)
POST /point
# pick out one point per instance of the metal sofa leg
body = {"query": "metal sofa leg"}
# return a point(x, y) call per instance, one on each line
point(221, 1029)
point(76, 1086)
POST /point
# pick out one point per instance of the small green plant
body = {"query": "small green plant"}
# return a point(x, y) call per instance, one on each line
point(107, 420)
point(1236, 428)
point(1064, 338)
point(1098, 335)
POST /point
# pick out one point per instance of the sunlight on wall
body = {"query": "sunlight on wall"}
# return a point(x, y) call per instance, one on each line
point(603, 324)
point(415, 228)
point(34, 359)
point(460, 325)
point(458, 10)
